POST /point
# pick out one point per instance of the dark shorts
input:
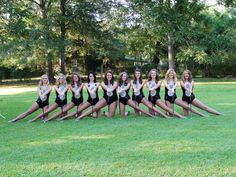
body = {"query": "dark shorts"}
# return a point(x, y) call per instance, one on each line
point(93, 101)
point(190, 99)
point(124, 100)
point(41, 103)
point(77, 101)
point(61, 103)
point(111, 99)
point(138, 98)
point(153, 99)
point(171, 99)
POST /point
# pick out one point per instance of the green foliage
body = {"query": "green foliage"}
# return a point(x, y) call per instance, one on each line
point(35, 34)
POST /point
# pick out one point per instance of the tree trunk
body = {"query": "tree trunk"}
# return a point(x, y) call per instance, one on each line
point(48, 55)
point(63, 33)
point(171, 51)
point(50, 70)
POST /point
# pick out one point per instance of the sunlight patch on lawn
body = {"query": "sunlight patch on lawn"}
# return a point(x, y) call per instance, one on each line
point(218, 83)
point(172, 146)
point(13, 91)
point(226, 104)
point(89, 137)
point(68, 139)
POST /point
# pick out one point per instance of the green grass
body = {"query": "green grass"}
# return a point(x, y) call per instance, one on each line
point(121, 146)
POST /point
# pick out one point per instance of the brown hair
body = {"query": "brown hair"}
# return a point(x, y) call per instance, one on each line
point(135, 79)
point(105, 77)
point(150, 77)
point(72, 80)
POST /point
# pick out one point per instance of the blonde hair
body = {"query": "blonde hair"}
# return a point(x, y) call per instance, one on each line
point(58, 77)
point(167, 75)
point(120, 78)
point(41, 80)
point(190, 78)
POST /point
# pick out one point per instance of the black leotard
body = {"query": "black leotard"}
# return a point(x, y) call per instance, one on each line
point(153, 99)
point(125, 99)
point(186, 98)
point(138, 98)
point(111, 99)
point(41, 103)
point(90, 99)
point(77, 101)
point(60, 102)
point(171, 99)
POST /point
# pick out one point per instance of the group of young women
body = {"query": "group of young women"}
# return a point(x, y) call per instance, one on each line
point(111, 90)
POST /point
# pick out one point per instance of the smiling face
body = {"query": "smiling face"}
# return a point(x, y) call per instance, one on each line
point(109, 76)
point(186, 75)
point(171, 75)
point(44, 80)
point(124, 77)
point(153, 74)
point(91, 77)
point(61, 80)
point(75, 78)
point(137, 75)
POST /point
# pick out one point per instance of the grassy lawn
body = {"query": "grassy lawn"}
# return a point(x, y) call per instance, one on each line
point(131, 146)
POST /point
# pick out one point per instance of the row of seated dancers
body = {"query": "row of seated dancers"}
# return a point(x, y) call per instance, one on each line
point(111, 91)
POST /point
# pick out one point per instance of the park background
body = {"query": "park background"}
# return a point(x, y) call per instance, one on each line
point(54, 36)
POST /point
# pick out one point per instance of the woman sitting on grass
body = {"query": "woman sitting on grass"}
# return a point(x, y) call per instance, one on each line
point(170, 83)
point(188, 97)
point(42, 102)
point(76, 88)
point(92, 89)
point(61, 89)
point(154, 85)
point(109, 97)
point(124, 98)
point(138, 96)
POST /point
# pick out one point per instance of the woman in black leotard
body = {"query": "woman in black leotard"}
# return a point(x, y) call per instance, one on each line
point(92, 89)
point(170, 83)
point(188, 97)
point(124, 98)
point(61, 89)
point(154, 85)
point(76, 88)
point(109, 97)
point(44, 90)
point(138, 96)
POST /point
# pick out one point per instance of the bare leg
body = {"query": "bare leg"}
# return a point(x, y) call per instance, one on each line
point(168, 109)
point(112, 109)
point(202, 106)
point(97, 114)
point(132, 104)
point(32, 109)
point(185, 111)
point(185, 106)
point(149, 105)
point(50, 109)
point(122, 109)
point(151, 111)
point(135, 110)
point(102, 103)
point(79, 110)
point(65, 109)
point(82, 107)
point(44, 110)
